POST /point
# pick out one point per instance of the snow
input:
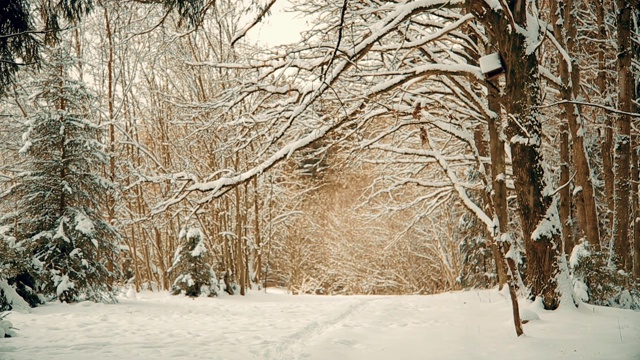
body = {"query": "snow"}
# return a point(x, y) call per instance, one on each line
point(60, 234)
point(64, 285)
point(12, 297)
point(550, 224)
point(578, 252)
point(459, 325)
point(581, 290)
point(200, 249)
point(84, 224)
point(490, 63)
point(194, 232)
point(577, 190)
point(494, 4)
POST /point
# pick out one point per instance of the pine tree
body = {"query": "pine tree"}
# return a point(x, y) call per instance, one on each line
point(60, 195)
point(194, 275)
point(14, 272)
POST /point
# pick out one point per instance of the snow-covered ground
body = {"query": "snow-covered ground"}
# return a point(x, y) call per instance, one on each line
point(461, 325)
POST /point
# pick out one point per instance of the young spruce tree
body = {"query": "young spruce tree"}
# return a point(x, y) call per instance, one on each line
point(194, 276)
point(60, 193)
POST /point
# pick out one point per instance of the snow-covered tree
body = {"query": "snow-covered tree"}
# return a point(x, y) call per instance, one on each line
point(194, 276)
point(59, 194)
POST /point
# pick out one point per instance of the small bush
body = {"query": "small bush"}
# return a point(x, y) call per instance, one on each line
point(194, 276)
point(598, 283)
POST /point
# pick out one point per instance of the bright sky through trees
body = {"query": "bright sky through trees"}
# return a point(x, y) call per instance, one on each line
point(280, 27)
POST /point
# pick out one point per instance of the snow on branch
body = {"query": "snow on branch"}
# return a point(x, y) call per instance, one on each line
point(312, 90)
point(462, 191)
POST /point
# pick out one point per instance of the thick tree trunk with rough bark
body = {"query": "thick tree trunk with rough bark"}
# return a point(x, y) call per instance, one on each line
point(622, 149)
point(538, 213)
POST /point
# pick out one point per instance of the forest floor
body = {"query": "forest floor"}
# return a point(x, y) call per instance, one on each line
point(472, 324)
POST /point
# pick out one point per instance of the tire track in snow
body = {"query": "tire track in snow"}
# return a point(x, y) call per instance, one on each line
point(292, 347)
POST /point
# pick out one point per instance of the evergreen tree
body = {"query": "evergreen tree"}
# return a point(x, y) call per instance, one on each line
point(190, 264)
point(19, 40)
point(16, 271)
point(59, 195)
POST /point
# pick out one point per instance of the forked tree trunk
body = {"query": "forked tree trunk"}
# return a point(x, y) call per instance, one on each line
point(538, 213)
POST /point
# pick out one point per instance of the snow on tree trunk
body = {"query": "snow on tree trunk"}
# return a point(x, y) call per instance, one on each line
point(564, 22)
point(540, 228)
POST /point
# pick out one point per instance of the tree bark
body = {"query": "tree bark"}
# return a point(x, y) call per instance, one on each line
point(258, 236)
point(607, 134)
point(110, 94)
point(537, 212)
point(564, 23)
point(499, 176)
point(565, 193)
point(636, 158)
point(622, 149)
point(635, 182)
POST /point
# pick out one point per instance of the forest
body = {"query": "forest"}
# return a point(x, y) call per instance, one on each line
point(400, 147)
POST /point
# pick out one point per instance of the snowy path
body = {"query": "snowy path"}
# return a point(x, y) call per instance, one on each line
point(463, 325)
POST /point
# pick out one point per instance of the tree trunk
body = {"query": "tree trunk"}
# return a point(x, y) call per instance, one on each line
point(607, 134)
point(481, 145)
point(564, 23)
point(239, 251)
point(537, 212)
point(565, 192)
point(498, 177)
point(258, 236)
point(636, 160)
point(635, 182)
point(622, 150)
point(110, 94)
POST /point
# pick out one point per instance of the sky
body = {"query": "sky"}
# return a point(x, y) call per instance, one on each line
point(278, 28)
